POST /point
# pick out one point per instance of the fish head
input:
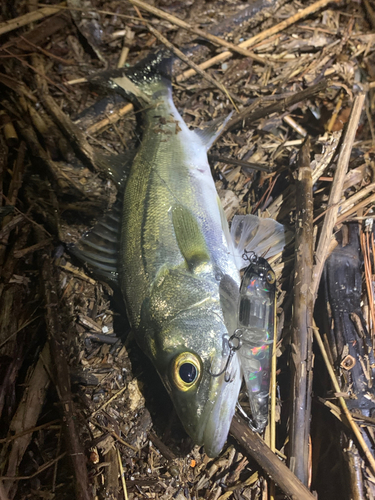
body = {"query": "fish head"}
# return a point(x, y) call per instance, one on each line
point(192, 357)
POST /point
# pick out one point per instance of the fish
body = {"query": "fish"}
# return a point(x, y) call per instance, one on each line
point(168, 245)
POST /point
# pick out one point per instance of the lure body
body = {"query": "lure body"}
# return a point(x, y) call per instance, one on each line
point(256, 324)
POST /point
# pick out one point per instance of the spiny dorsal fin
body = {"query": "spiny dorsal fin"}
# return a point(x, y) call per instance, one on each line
point(212, 131)
point(189, 237)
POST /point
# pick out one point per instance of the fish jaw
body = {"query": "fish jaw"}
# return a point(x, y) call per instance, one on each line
point(205, 410)
point(220, 416)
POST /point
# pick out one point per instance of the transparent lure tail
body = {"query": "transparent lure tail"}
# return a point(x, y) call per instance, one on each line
point(256, 322)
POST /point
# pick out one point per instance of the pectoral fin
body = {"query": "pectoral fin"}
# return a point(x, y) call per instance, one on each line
point(229, 296)
point(189, 237)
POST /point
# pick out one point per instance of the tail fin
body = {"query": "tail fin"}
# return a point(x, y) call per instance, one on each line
point(139, 83)
point(264, 237)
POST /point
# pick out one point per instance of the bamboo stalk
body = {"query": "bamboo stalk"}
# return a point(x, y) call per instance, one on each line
point(301, 344)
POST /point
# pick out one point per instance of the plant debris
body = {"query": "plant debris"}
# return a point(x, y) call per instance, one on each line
point(82, 411)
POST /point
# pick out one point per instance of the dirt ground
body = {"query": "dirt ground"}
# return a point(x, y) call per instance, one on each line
point(83, 413)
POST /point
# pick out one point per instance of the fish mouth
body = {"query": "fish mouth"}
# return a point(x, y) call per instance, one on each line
point(217, 416)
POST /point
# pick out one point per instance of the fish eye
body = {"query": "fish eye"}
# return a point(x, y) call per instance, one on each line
point(271, 278)
point(186, 370)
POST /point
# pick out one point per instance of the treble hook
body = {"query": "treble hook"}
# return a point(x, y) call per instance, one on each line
point(233, 347)
point(250, 256)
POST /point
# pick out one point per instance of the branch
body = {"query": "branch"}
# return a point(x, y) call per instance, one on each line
point(254, 446)
point(301, 345)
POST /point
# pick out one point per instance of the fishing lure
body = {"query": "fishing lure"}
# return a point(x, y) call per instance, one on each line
point(256, 329)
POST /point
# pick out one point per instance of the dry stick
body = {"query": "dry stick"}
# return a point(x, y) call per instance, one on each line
point(58, 354)
point(223, 56)
point(342, 402)
point(115, 117)
point(182, 24)
point(346, 212)
point(254, 445)
point(238, 163)
point(31, 17)
point(336, 190)
point(301, 345)
point(27, 414)
point(128, 40)
point(278, 106)
point(190, 63)
point(273, 388)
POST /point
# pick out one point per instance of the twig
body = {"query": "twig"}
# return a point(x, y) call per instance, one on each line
point(336, 190)
point(27, 414)
point(370, 13)
point(122, 474)
point(28, 18)
point(238, 163)
point(98, 11)
point(254, 445)
point(279, 106)
point(42, 468)
point(182, 24)
point(115, 117)
point(67, 62)
point(192, 64)
point(366, 252)
point(24, 63)
point(3, 494)
point(223, 56)
point(342, 402)
point(29, 431)
point(128, 39)
point(301, 344)
point(346, 209)
point(106, 403)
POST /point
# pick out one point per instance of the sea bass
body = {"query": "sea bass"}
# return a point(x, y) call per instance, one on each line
point(177, 264)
